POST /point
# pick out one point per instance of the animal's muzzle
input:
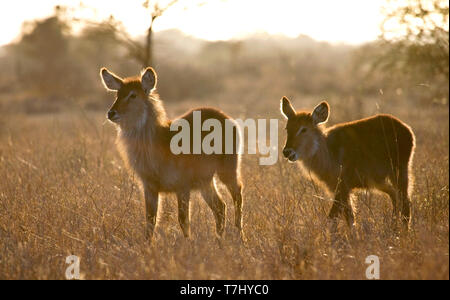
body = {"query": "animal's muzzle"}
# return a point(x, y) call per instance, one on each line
point(112, 115)
point(290, 154)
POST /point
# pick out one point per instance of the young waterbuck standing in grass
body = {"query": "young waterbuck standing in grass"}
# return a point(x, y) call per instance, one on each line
point(144, 138)
point(375, 152)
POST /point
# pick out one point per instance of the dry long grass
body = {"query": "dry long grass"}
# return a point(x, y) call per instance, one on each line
point(64, 191)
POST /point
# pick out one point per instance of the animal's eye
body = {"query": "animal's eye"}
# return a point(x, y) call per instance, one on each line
point(301, 130)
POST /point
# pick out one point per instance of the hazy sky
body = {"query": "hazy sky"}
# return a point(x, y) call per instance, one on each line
point(350, 21)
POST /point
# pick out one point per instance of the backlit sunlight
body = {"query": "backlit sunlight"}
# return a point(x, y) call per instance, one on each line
point(348, 21)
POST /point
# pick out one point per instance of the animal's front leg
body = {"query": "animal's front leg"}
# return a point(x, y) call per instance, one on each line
point(151, 209)
point(183, 211)
point(332, 216)
point(341, 205)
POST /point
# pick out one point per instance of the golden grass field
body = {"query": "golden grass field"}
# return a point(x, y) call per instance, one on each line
point(64, 191)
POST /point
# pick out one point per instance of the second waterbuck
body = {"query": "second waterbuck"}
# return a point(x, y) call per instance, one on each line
point(375, 152)
point(144, 138)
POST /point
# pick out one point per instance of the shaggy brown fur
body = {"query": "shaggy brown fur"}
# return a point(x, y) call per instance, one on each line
point(375, 152)
point(144, 140)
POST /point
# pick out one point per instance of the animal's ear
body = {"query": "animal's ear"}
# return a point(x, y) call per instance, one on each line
point(111, 81)
point(148, 80)
point(320, 113)
point(286, 108)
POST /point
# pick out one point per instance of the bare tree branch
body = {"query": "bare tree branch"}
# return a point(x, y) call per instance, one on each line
point(142, 52)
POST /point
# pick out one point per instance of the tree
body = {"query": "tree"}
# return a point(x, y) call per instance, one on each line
point(412, 53)
point(416, 21)
point(417, 32)
point(142, 50)
point(43, 49)
point(156, 10)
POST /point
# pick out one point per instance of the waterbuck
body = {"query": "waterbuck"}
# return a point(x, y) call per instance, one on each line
point(143, 140)
point(375, 152)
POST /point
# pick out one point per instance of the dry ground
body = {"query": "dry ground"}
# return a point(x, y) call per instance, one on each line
point(64, 191)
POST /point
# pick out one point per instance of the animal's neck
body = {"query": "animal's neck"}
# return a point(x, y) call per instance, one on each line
point(140, 145)
point(151, 124)
point(322, 164)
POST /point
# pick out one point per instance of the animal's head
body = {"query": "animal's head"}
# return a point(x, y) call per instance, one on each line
point(132, 94)
point(303, 131)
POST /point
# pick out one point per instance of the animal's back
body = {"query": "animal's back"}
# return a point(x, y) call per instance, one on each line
point(211, 113)
point(371, 148)
point(196, 169)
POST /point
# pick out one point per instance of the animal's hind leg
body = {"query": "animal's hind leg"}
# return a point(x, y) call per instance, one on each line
point(348, 213)
point(183, 211)
point(404, 197)
point(234, 186)
point(401, 181)
point(393, 194)
point(212, 198)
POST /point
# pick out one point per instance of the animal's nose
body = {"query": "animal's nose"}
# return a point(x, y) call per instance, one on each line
point(287, 152)
point(112, 114)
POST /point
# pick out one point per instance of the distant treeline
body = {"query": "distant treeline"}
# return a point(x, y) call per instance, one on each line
point(50, 63)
